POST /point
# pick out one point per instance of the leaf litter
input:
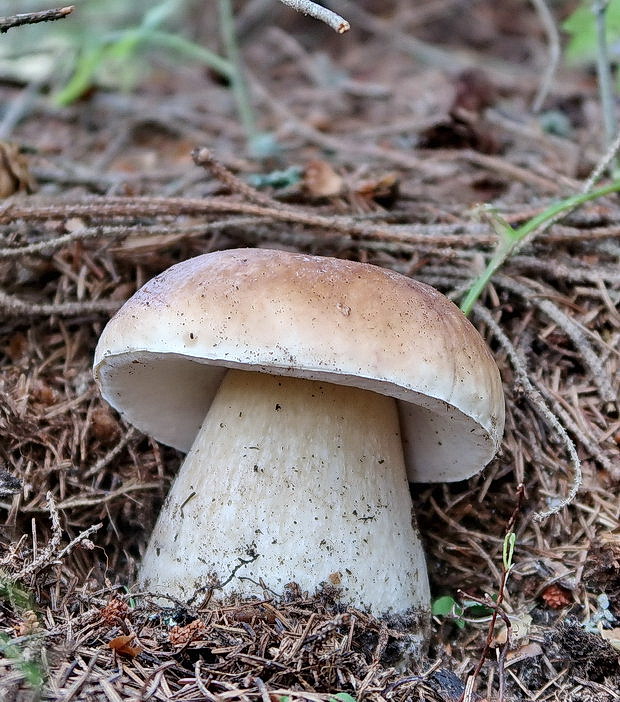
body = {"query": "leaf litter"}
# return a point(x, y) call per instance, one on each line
point(119, 199)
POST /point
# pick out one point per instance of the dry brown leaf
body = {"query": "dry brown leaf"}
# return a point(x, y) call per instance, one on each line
point(120, 644)
point(14, 174)
point(321, 180)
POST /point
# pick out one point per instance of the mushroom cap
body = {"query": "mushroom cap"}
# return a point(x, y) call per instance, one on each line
point(161, 358)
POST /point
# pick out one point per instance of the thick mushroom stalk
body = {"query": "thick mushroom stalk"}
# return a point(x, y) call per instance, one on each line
point(292, 480)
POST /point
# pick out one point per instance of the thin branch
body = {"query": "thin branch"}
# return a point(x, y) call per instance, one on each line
point(205, 158)
point(602, 165)
point(106, 459)
point(140, 207)
point(15, 306)
point(306, 7)
point(7, 23)
point(176, 229)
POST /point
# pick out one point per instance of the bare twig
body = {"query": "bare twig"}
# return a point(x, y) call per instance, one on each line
point(110, 455)
point(176, 229)
point(140, 207)
point(12, 21)
point(52, 551)
point(13, 306)
point(79, 539)
point(602, 165)
point(205, 158)
point(333, 20)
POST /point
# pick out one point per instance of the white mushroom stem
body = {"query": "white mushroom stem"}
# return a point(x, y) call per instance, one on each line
point(292, 480)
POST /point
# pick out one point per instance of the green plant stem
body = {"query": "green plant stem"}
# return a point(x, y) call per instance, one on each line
point(603, 69)
point(193, 51)
point(510, 238)
point(239, 88)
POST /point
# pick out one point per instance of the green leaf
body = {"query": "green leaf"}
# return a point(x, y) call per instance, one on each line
point(31, 669)
point(506, 245)
point(446, 606)
point(581, 27)
point(85, 68)
point(344, 697)
point(475, 610)
point(508, 550)
point(14, 594)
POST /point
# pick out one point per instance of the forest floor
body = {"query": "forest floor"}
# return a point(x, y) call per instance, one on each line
point(386, 146)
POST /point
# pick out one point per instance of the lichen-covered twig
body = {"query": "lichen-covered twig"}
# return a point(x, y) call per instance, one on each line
point(52, 552)
point(12, 21)
point(333, 20)
point(15, 306)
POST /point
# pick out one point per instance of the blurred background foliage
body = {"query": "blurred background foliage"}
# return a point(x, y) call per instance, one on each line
point(108, 43)
point(113, 43)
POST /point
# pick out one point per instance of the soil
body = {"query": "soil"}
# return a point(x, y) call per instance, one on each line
point(387, 139)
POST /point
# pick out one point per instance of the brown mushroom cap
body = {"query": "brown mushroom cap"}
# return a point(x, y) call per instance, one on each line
point(161, 358)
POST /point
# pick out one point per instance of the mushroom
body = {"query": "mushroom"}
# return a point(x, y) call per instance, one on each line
point(304, 390)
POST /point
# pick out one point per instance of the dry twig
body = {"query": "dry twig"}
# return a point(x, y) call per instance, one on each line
point(52, 551)
point(306, 7)
point(12, 21)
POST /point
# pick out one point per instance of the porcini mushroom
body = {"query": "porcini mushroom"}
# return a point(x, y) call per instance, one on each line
point(302, 389)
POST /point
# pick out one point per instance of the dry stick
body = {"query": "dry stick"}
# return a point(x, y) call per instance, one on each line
point(306, 7)
point(568, 325)
point(7, 23)
point(394, 238)
point(578, 274)
point(15, 306)
point(539, 405)
point(553, 37)
point(597, 172)
point(73, 502)
point(151, 207)
point(134, 230)
point(602, 165)
point(205, 158)
point(51, 552)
